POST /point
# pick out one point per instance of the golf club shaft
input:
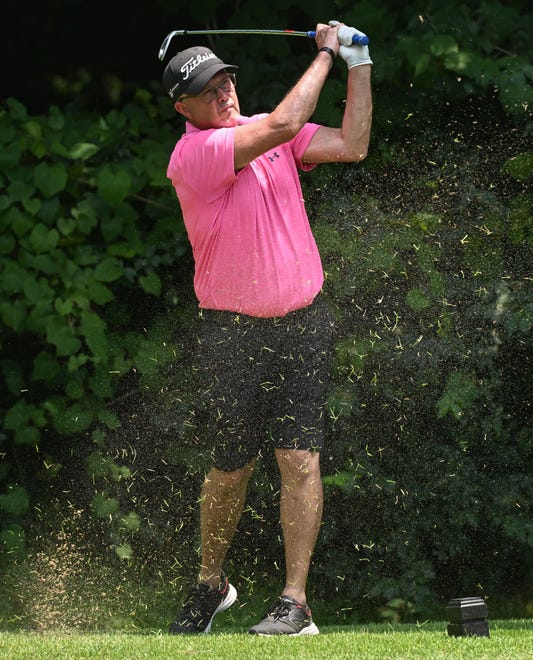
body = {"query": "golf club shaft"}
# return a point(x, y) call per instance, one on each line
point(356, 39)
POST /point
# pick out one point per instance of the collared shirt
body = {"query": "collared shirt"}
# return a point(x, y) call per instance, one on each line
point(253, 248)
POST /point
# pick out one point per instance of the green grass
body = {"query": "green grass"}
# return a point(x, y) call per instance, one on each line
point(511, 639)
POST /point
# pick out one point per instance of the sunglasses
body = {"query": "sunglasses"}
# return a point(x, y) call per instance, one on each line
point(209, 95)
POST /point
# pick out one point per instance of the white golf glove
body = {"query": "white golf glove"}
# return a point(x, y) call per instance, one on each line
point(352, 54)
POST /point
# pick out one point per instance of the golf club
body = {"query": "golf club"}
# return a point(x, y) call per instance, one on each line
point(356, 39)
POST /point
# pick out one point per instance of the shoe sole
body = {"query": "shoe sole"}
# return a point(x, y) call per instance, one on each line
point(228, 601)
point(308, 630)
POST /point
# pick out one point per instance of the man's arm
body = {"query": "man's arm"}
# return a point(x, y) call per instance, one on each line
point(350, 142)
point(288, 118)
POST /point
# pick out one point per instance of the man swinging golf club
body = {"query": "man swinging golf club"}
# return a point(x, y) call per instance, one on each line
point(266, 334)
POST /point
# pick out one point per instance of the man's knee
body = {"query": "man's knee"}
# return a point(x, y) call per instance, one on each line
point(298, 465)
point(230, 479)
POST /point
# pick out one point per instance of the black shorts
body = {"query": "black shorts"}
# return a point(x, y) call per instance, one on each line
point(265, 381)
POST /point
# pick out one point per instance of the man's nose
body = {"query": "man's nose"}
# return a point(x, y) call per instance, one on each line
point(220, 91)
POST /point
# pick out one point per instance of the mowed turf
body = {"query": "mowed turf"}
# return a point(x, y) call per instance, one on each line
point(511, 639)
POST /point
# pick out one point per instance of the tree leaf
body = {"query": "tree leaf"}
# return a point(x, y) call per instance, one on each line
point(19, 222)
point(74, 419)
point(43, 239)
point(63, 307)
point(27, 435)
point(37, 290)
point(109, 418)
point(108, 270)
point(50, 179)
point(421, 63)
point(13, 538)
point(83, 150)
point(124, 551)
point(443, 44)
point(104, 506)
point(19, 190)
point(63, 336)
point(99, 293)
point(16, 501)
point(7, 244)
point(45, 367)
point(22, 414)
point(520, 167)
point(130, 521)
point(94, 330)
point(13, 277)
point(85, 216)
point(151, 283)
point(12, 373)
point(14, 315)
point(113, 185)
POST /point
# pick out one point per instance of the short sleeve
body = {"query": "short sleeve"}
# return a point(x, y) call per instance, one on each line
point(300, 143)
point(203, 161)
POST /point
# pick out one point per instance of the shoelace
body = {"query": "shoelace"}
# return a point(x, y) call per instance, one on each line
point(280, 609)
point(196, 600)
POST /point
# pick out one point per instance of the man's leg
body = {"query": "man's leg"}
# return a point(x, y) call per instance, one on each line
point(301, 514)
point(221, 504)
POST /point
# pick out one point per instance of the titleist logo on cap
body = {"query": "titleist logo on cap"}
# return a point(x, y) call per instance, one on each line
point(191, 64)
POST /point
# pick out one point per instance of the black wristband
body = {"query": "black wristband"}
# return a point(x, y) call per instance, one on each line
point(329, 51)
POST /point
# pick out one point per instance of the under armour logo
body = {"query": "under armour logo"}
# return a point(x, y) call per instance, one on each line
point(271, 158)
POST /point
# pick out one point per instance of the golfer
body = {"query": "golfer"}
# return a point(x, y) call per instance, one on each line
point(266, 334)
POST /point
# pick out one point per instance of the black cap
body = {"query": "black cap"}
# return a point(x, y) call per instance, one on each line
point(189, 71)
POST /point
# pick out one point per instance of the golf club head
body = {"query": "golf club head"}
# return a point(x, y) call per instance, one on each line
point(166, 43)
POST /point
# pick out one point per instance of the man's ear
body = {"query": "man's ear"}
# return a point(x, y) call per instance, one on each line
point(182, 109)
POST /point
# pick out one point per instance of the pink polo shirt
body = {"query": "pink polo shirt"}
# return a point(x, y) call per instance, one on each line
point(253, 248)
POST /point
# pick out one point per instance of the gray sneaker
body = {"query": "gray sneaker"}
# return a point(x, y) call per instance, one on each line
point(286, 617)
point(202, 605)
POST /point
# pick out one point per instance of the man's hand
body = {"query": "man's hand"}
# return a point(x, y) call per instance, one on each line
point(352, 54)
point(326, 36)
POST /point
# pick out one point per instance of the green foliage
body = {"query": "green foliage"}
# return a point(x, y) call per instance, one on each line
point(471, 49)
point(15, 501)
point(424, 52)
point(87, 216)
point(431, 422)
point(520, 167)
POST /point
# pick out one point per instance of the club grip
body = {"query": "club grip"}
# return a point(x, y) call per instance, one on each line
point(357, 40)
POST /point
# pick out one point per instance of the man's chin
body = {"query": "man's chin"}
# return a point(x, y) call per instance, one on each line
point(229, 121)
point(229, 114)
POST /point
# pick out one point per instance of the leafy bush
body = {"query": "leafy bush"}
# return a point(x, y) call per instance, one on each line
point(427, 56)
point(88, 227)
point(469, 50)
point(428, 491)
